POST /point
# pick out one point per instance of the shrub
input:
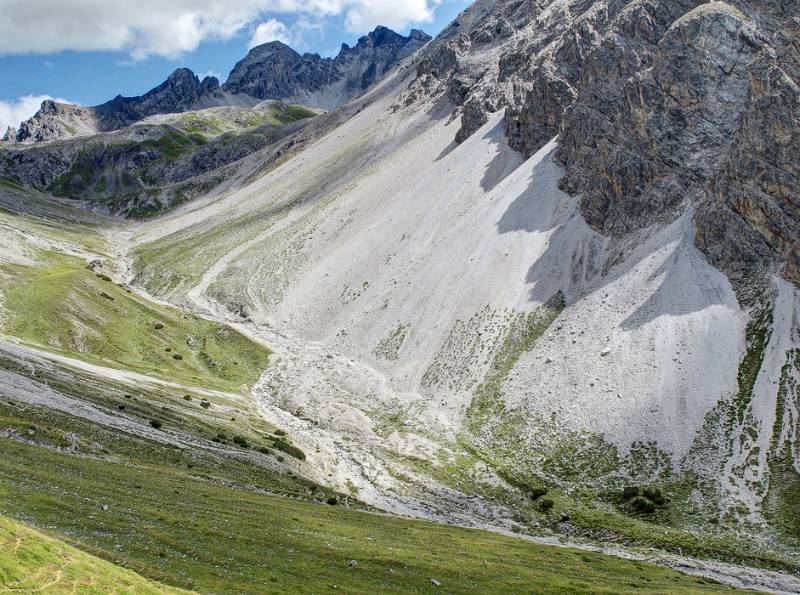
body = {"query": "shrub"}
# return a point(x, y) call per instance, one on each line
point(281, 459)
point(205, 404)
point(333, 501)
point(537, 493)
point(546, 504)
point(264, 450)
point(187, 397)
point(630, 492)
point(289, 449)
point(158, 326)
point(240, 441)
point(280, 433)
point(643, 505)
point(177, 356)
point(655, 495)
point(155, 424)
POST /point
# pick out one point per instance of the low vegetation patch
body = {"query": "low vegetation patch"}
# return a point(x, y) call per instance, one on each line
point(64, 307)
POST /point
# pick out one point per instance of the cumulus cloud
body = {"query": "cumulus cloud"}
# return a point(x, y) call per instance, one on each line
point(271, 30)
point(14, 112)
point(169, 28)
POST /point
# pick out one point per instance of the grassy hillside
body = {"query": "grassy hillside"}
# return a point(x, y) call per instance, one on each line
point(221, 120)
point(31, 562)
point(198, 533)
point(216, 521)
point(64, 306)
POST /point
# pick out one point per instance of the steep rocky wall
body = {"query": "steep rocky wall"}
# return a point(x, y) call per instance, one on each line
point(659, 105)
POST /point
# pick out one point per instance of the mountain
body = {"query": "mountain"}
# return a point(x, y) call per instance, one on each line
point(270, 71)
point(275, 71)
point(182, 91)
point(538, 278)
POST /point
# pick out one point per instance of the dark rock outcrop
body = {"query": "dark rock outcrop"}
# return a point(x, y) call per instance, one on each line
point(709, 121)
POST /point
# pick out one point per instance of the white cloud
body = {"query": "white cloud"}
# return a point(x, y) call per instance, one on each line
point(214, 73)
point(271, 30)
point(14, 112)
point(169, 28)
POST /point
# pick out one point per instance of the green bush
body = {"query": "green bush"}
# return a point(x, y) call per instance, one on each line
point(537, 493)
point(240, 441)
point(155, 424)
point(546, 504)
point(289, 449)
point(630, 492)
point(643, 505)
point(655, 496)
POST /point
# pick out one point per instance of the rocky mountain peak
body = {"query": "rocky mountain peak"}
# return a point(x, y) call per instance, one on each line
point(269, 48)
point(275, 71)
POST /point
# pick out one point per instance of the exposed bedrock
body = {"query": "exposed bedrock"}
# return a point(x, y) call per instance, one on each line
point(659, 105)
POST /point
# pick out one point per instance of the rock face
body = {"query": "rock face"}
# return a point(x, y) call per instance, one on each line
point(276, 71)
point(270, 71)
point(709, 121)
point(660, 106)
point(55, 120)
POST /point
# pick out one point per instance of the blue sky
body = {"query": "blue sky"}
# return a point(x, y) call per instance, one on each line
point(62, 63)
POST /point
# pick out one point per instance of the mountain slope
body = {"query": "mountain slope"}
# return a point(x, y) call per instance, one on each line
point(427, 259)
point(493, 291)
point(160, 161)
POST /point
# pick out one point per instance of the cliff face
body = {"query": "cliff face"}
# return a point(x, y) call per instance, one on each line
point(276, 71)
point(660, 106)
